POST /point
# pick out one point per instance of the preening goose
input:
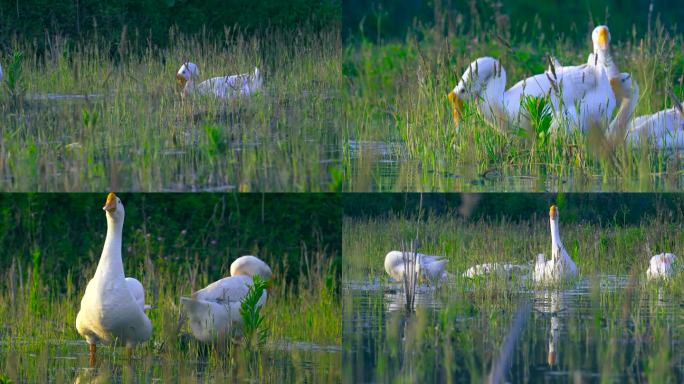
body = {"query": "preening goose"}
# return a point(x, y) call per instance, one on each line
point(661, 266)
point(214, 311)
point(112, 307)
point(220, 87)
point(665, 129)
point(560, 267)
point(429, 267)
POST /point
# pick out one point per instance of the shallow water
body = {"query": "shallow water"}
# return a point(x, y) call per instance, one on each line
point(67, 361)
point(606, 329)
point(386, 166)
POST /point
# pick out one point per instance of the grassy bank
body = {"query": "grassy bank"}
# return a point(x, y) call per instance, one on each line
point(398, 98)
point(128, 128)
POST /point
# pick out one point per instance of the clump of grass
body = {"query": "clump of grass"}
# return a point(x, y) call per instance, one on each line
point(254, 329)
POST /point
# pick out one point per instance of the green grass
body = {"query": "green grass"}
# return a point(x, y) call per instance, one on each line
point(134, 132)
point(397, 94)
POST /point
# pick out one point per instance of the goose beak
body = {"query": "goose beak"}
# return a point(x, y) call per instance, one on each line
point(553, 212)
point(457, 106)
point(551, 358)
point(181, 80)
point(603, 38)
point(110, 204)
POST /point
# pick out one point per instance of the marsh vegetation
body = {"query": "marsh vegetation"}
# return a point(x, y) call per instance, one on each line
point(94, 114)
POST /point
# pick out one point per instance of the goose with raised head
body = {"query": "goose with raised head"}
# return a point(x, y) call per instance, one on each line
point(113, 306)
point(560, 266)
point(431, 268)
point(222, 87)
point(625, 90)
point(214, 311)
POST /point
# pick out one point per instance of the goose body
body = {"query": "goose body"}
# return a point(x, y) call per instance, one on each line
point(661, 266)
point(582, 96)
point(214, 311)
point(112, 307)
point(664, 129)
point(498, 269)
point(624, 88)
point(222, 87)
point(429, 267)
point(560, 266)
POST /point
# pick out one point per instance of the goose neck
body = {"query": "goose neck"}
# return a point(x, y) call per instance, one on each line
point(555, 235)
point(110, 261)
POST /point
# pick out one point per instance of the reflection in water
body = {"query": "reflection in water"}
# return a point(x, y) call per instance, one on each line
point(66, 361)
point(551, 303)
point(386, 166)
point(604, 330)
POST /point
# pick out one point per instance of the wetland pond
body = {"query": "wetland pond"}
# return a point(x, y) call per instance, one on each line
point(387, 167)
point(603, 328)
point(67, 362)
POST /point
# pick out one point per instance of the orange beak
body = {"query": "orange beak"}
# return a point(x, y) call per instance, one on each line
point(457, 106)
point(551, 358)
point(603, 38)
point(553, 212)
point(181, 80)
point(110, 204)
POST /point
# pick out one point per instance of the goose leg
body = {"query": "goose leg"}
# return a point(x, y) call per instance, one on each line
point(92, 348)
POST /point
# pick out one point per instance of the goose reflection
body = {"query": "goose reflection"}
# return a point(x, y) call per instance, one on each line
point(551, 303)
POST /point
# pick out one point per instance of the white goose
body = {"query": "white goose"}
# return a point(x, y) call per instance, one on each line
point(586, 86)
point(665, 129)
point(112, 307)
point(484, 82)
point(214, 311)
point(427, 266)
point(486, 269)
point(220, 87)
point(625, 90)
point(560, 267)
point(661, 266)
point(582, 96)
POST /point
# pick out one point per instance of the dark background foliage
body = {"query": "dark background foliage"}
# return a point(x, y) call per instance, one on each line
point(619, 208)
point(388, 19)
point(58, 233)
point(151, 19)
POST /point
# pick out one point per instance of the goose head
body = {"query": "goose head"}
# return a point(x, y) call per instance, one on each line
point(600, 37)
point(553, 213)
point(250, 266)
point(187, 72)
point(114, 208)
point(477, 80)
